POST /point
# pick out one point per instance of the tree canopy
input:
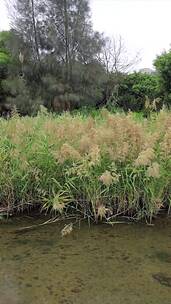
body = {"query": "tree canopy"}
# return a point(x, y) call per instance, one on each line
point(163, 67)
point(52, 56)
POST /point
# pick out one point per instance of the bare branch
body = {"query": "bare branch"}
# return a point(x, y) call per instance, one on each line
point(116, 58)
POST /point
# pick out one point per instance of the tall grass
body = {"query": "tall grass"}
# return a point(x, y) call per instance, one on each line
point(95, 167)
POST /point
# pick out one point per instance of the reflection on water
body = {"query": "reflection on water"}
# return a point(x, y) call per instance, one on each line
point(121, 264)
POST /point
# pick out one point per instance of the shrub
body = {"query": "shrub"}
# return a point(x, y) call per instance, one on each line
point(134, 89)
point(18, 95)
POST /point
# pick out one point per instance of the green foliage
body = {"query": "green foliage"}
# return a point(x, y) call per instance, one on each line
point(163, 67)
point(18, 96)
point(135, 88)
point(64, 64)
point(67, 69)
point(85, 88)
point(6, 59)
point(5, 56)
point(4, 38)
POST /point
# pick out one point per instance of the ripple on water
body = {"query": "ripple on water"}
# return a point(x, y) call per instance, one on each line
point(100, 265)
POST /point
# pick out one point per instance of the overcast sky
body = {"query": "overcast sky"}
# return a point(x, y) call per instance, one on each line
point(145, 25)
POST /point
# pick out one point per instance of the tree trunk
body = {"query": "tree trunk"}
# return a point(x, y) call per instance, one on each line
point(35, 30)
point(67, 64)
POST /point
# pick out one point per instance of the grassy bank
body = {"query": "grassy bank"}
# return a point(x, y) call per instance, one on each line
point(94, 167)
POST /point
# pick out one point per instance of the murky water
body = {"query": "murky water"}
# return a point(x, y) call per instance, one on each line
point(121, 264)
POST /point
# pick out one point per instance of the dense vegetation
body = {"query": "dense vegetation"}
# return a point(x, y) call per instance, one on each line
point(93, 163)
point(97, 167)
point(53, 57)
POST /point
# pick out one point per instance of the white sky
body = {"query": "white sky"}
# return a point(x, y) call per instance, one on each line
point(145, 25)
point(4, 23)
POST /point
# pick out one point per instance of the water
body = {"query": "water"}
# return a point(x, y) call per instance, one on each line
point(121, 264)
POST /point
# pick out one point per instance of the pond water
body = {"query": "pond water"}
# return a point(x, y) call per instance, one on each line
point(101, 264)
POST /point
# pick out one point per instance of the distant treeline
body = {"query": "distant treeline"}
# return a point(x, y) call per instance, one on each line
point(53, 57)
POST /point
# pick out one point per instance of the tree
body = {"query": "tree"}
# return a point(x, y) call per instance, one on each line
point(5, 58)
point(35, 30)
point(5, 55)
point(117, 62)
point(115, 56)
point(163, 67)
point(59, 48)
point(25, 16)
point(71, 33)
point(12, 46)
point(135, 89)
point(18, 95)
point(14, 89)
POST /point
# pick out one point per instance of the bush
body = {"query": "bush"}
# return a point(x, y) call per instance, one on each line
point(18, 95)
point(134, 89)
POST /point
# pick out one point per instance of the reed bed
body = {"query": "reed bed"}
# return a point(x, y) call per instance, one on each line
point(96, 167)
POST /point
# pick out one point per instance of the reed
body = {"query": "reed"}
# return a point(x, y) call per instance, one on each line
point(95, 167)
